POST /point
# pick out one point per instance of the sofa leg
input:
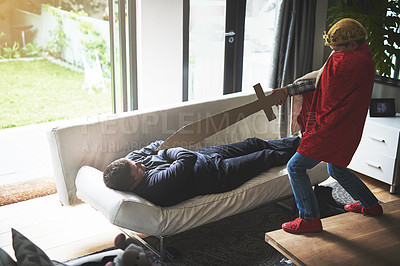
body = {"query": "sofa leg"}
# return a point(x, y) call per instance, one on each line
point(162, 249)
point(162, 253)
point(291, 206)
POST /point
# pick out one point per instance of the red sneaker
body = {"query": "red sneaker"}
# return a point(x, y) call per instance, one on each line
point(353, 207)
point(375, 210)
point(301, 225)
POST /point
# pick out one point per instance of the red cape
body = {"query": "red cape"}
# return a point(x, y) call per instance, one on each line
point(339, 107)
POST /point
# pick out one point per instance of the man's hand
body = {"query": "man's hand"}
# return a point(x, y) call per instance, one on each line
point(281, 101)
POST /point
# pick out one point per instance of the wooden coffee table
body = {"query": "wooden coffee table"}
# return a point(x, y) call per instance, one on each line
point(347, 239)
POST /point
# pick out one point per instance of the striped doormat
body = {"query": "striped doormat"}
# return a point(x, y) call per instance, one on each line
point(30, 189)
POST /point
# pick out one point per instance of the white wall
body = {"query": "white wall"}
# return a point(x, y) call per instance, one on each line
point(160, 35)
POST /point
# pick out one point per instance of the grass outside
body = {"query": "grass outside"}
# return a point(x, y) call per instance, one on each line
point(39, 91)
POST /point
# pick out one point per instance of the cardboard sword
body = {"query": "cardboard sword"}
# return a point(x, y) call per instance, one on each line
point(199, 130)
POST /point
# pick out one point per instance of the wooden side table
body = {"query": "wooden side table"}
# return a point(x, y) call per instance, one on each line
point(347, 239)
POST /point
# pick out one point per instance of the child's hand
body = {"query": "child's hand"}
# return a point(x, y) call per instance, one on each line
point(281, 100)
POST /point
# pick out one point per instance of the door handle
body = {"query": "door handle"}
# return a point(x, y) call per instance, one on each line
point(231, 33)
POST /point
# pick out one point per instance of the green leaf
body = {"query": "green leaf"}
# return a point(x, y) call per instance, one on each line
point(383, 32)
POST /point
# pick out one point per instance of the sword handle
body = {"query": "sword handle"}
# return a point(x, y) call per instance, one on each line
point(261, 96)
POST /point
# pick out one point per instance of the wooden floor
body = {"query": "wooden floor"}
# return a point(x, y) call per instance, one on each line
point(61, 232)
point(349, 238)
point(68, 232)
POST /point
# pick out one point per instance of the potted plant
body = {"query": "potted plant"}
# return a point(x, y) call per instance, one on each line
point(382, 22)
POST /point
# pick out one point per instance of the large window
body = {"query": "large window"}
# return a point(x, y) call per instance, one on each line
point(206, 49)
point(258, 42)
point(143, 65)
point(54, 65)
point(54, 61)
point(169, 51)
point(230, 46)
point(147, 41)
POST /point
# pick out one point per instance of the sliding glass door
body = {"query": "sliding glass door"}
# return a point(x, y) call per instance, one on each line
point(258, 42)
point(169, 51)
point(230, 46)
point(206, 49)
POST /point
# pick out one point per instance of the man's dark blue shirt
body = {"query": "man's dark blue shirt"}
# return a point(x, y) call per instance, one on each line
point(209, 170)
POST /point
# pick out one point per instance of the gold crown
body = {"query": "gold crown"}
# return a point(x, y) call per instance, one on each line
point(345, 30)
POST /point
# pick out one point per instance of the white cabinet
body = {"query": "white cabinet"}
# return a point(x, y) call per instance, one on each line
point(377, 155)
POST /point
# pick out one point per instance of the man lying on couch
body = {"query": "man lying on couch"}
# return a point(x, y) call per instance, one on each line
point(174, 175)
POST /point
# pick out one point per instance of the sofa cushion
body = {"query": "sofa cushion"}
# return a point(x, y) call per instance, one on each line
point(135, 213)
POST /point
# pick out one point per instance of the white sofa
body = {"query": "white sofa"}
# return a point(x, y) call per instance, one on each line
point(80, 152)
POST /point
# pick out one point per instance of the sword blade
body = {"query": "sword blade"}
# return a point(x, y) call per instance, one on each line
point(199, 130)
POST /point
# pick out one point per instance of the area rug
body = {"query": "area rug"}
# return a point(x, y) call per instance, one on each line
point(236, 240)
point(30, 189)
point(240, 239)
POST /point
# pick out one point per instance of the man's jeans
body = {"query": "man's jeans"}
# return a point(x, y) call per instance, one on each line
point(302, 189)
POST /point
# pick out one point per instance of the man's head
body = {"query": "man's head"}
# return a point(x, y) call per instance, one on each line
point(345, 35)
point(123, 174)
